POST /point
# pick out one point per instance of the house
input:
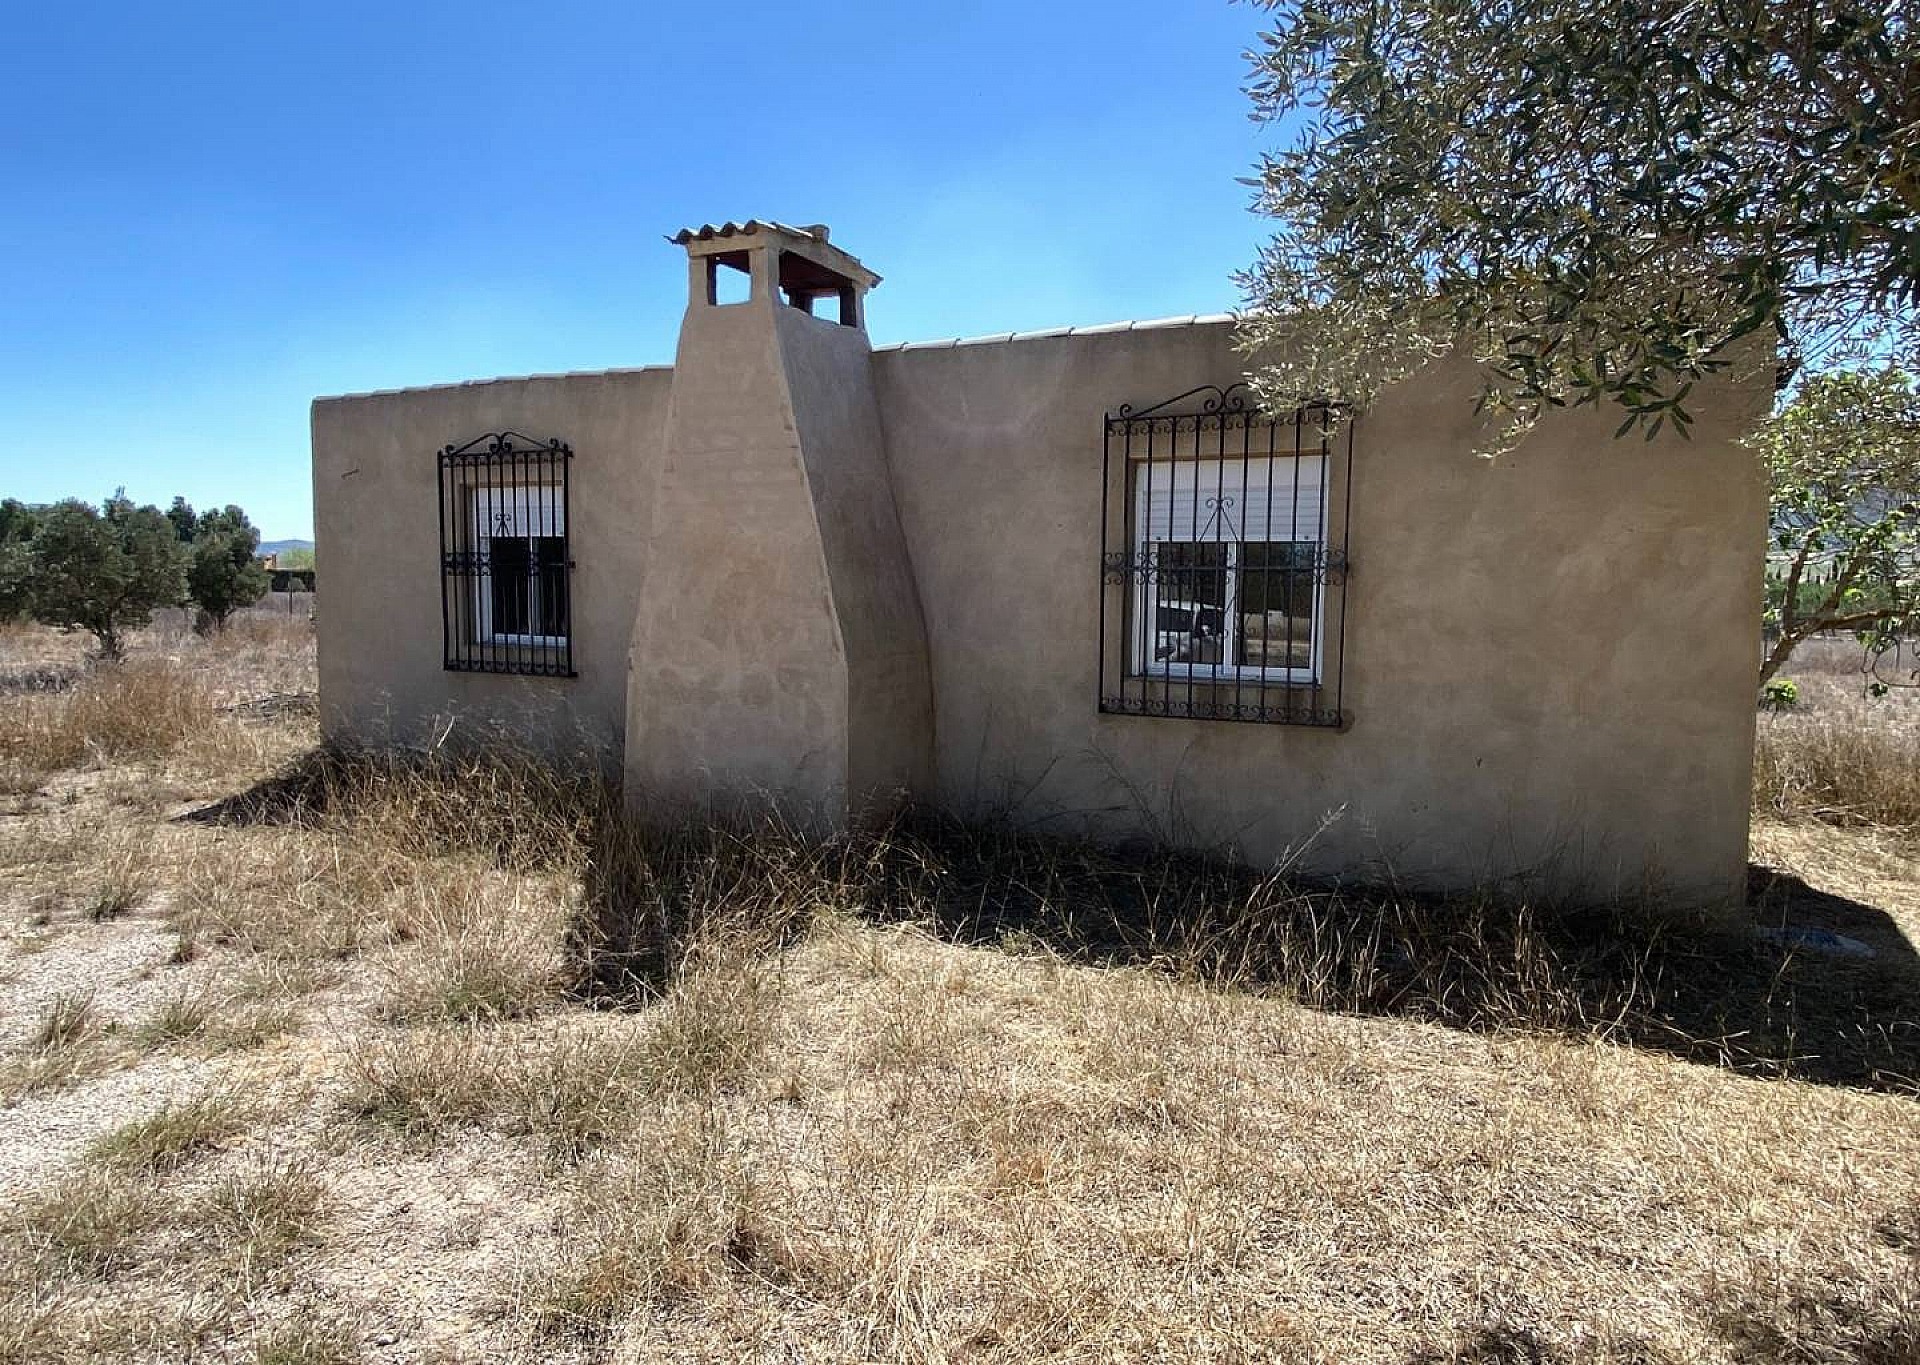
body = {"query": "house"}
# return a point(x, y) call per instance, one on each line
point(1073, 577)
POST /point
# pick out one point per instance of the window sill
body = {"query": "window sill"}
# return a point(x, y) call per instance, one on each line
point(522, 641)
point(1226, 676)
point(1277, 702)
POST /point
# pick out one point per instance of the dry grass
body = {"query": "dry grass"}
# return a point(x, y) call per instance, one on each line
point(89, 1225)
point(262, 1213)
point(140, 711)
point(66, 1046)
point(174, 1135)
point(1840, 755)
point(527, 1078)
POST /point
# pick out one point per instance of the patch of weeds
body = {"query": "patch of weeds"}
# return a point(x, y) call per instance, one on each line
point(277, 979)
point(646, 1229)
point(712, 1030)
point(474, 973)
point(183, 1017)
point(256, 1026)
point(123, 879)
point(582, 1092)
point(424, 1081)
point(89, 1225)
point(307, 1339)
point(115, 898)
point(68, 1022)
point(169, 1138)
point(578, 1090)
point(64, 1047)
point(262, 1214)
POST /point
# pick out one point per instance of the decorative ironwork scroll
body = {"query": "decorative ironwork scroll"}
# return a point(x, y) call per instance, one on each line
point(1224, 560)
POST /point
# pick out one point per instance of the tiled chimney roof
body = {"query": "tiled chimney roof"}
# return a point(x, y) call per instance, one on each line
point(706, 232)
point(813, 234)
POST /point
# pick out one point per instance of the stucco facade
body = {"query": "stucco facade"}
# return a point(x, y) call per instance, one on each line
point(808, 571)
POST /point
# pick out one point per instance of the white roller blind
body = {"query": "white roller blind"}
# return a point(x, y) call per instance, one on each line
point(1227, 500)
point(526, 510)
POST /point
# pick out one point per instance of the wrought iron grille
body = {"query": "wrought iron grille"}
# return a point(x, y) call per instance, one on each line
point(1224, 560)
point(506, 566)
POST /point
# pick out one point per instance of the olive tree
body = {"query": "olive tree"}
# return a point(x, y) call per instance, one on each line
point(223, 571)
point(17, 523)
point(103, 570)
point(1599, 201)
point(1843, 460)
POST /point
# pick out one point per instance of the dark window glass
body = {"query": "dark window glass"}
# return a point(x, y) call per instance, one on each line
point(510, 576)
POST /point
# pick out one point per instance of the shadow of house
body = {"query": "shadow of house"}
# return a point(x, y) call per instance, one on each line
point(1705, 989)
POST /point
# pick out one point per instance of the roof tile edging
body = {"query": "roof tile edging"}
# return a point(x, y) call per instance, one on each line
point(495, 379)
point(1098, 329)
point(947, 343)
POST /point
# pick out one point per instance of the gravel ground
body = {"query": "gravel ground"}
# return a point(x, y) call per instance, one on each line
point(122, 963)
point(42, 1134)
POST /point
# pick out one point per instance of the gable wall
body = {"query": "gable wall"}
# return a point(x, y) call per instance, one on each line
point(1549, 658)
point(376, 513)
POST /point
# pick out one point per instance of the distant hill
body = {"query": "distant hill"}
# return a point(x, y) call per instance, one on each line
point(280, 547)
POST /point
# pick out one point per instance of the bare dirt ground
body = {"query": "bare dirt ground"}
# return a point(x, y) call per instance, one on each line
point(319, 1090)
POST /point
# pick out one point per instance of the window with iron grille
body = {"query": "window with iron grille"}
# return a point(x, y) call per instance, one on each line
point(1224, 561)
point(506, 568)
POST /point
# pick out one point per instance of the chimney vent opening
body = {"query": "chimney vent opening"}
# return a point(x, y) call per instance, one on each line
point(808, 285)
point(729, 278)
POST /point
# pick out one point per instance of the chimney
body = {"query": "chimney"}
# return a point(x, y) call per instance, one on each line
point(778, 650)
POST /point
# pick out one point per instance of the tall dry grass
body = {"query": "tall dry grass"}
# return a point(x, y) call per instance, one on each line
point(138, 712)
point(1840, 755)
point(492, 887)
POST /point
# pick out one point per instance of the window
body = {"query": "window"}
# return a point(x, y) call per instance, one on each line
point(522, 581)
point(1224, 561)
point(1231, 563)
point(506, 568)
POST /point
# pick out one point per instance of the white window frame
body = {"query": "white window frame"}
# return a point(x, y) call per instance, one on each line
point(541, 511)
point(1216, 519)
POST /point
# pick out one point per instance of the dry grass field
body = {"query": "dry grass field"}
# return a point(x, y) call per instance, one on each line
point(312, 1059)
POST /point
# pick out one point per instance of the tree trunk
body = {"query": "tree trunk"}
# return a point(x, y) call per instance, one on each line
point(1776, 659)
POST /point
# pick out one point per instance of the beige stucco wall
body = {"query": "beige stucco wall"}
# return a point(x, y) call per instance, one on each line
point(1549, 658)
point(376, 514)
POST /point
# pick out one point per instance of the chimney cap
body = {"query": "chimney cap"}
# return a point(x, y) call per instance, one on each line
point(812, 238)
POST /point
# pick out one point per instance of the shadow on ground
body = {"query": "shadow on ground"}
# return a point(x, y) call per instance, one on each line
point(1708, 990)
point(1711, 991)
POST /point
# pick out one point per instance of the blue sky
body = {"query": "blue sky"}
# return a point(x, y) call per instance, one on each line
point(211, 213)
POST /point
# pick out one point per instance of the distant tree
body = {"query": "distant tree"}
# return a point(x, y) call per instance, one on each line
point(185, 524)
point(104, 571)
point(223, 569)
point(1597, 201)
point(1843, 460)
point(296, 559)
point(17, 523)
